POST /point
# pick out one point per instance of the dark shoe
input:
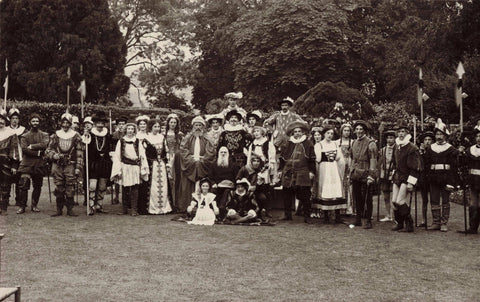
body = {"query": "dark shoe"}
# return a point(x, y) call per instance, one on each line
point(71, 213)
point(59, 213)
point(409, 224)
point(134, 213)
point(368, 225)
point(434, 227)
point(398, 227)
point(308, 220)
point(286, 218)
point(472, 231)
point(35, 209)
point(21, 211)
point(358, 222)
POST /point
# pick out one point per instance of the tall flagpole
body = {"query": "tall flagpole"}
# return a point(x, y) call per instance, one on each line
point(68, 90)
point(5, 86)
point(420, 95)
point(82, 94)
point(458, 92)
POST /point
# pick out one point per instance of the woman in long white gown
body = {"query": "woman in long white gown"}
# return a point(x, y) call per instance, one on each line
point(330, 190)
point(159, 202)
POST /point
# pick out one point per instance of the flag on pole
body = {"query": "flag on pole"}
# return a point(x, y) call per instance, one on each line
point(420, 88)
point(458, 90)
point(83, 90)
point(5, 86)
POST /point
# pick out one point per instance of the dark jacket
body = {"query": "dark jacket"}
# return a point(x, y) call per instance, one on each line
point(297, 160)
point(33, 157)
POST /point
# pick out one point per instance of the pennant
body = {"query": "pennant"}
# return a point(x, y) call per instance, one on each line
point(458, 89)
point(82, 89)
point(420, 88)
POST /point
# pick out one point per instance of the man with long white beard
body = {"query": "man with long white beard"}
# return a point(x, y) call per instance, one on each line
point(31, 170)
point(197, 156)
point(223, 176)
point(408, 166)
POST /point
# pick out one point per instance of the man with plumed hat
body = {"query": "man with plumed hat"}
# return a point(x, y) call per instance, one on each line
point(65, 150)
point(386, 167)
point(425, 139)
point(472, 161)
point(197, 154)
point(215, 121)
point(408, 165)
point(363, 173)
point(14, 116)
point(235, 138)
point(441, 164)
point(32, 167)
point(8, 145)
point(232, 98)
point(281, 119)
point(99, 143)
point(297, 163)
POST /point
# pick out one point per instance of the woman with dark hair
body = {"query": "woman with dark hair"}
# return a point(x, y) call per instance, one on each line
point(173, 138)
point(330, 191)
point(143, 188)
point(159, 202)
point(316, 138)
point(345, 144)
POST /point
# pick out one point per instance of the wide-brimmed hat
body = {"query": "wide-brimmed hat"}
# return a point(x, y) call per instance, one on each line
point(88, 119)
point(99, 116)
point(425, 134)
point(364, 124)
point(244, 182)
point(13, 111)
point(211, 117)
point(442, 127)
point(402, 124)
point(256, 114)
point(297, 124)
point(287, 100)
point(67, 117)
point(234, 95)
point(232, 113)
point(389, 132)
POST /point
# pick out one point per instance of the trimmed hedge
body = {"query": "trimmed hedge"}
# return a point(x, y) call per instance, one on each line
point(51, 112)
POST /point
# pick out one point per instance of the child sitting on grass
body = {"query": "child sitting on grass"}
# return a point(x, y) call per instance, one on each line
point(203, 206)
point(241, 204)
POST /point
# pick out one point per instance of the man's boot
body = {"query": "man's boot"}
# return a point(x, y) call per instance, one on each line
point(398, 220)
point(59, 211)
point(60, 200)
point(287, 208)
point(368, 224)
point(70, 205)
point(473, 220)
point(404, 213)
point(436, 216)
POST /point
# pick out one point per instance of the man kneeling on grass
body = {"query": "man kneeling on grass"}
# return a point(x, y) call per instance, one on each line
point(241, 204)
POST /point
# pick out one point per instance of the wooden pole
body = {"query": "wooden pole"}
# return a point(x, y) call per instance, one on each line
point(421, 115)
point(68, 90)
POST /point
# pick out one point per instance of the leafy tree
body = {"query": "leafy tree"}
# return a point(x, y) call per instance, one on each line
point(42, 38)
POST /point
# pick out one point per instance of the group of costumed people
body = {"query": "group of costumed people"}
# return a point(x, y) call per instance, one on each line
point(229, 166)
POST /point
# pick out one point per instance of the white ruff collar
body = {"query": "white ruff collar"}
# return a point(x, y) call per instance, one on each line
point(229, 127)
point(439, 148)
point(19, 130)
point(297, 141)
point(475, 151)
point(102, 134)
point(6, 133)
point(66, 135)
point(284, 113)
point(403, 142)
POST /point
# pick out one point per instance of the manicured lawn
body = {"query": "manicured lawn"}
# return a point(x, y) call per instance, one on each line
point(151, 258)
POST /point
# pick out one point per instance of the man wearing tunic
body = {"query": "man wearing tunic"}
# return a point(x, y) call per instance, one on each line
point(65, 150)
point(116, 136)
point(363, 173)
point(32, 167)
point(386, 167)
point(8, 145)
point(280, 120)
point(235, 138)
point(215, 121)
point(197, 154)
point(99, 162)
point(297, 162)
point(14, 115)
point(426, 139)
point(441, 163)
point(408, 165)
point(472, 161)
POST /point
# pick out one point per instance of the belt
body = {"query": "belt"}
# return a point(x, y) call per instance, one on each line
point(475, 171)
point(440, 167)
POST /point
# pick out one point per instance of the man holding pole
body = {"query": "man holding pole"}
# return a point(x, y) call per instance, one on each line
point(408, 166)
point(363, 173)
point(14, 115)
point(65, 150)
point(32, 167)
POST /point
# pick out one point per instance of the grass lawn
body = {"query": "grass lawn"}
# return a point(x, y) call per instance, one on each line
point(151, 258)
